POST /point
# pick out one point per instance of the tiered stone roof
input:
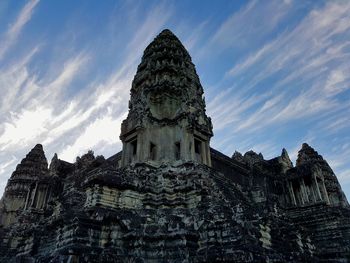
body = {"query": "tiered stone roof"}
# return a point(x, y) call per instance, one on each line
point(33, 165)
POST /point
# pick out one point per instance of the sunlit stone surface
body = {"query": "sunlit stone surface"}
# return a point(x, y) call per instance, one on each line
point(168, 196)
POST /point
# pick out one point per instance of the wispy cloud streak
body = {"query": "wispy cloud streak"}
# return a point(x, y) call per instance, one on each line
point(294, 87)
point(15, 29)
point(317, 42)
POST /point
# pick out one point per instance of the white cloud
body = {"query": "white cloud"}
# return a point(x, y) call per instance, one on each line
point(337, 123)
point(15, 29)
point(194, 35)
point(12, 80)
point(24, 127)
point(344, 177)
point(251, 23)
point(251, 60)
point(310, 40)
point(103, 130)
point(34, 117)
point(263, 115)
point(154, 21)
point(305, 52)
point(5, 165)
point(71, 70)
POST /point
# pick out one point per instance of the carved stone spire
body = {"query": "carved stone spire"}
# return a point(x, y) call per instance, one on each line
point(311, 161)
point(54, 164)
point(33, 165)
point(166, 109)
point(307, 154)
point(164, 63)
point(19, 187)
point(285, 161)
point(285, 158)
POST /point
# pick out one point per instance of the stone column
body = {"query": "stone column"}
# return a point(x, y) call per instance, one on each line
point(291, 191)
point(143, 146)
point(207, 147)
point(27, 197)
point(49, 189)
point(45, 197)
point(35, 190)
point(324, 190)
point(303, 187)
point(317, 188)
point(138, 149)
point(192, 152)
point(301, 193)
point(206, 153)
point(185, 147)
point(124, 156)
point(312, 188)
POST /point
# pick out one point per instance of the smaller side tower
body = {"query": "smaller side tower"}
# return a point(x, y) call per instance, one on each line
point(23, 189)
point(313, 181)
point(166, 121)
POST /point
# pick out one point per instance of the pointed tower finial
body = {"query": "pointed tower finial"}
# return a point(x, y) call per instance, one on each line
point(33, 165)
point(285, 160)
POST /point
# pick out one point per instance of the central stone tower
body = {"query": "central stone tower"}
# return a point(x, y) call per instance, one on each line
point(167, 123)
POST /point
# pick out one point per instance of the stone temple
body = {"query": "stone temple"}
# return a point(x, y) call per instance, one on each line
point(168, 196)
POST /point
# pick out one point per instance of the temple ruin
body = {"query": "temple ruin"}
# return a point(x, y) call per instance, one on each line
point(168, 196)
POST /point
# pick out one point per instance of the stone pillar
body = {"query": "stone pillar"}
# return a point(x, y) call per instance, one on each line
point(136, 158)
point(35, 193)
point(49, 191)
point(303, 187)
point(207, 147)
point(317, 188)
point(206, 153)
point(312, 188)
point(192, 152)
point(124, 156)
point(27, 197)
point(45, 197)
point(301, 194)
point(291, 191)
point(324, 190)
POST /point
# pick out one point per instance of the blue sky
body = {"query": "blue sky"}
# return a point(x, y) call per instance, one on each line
point(275, 73)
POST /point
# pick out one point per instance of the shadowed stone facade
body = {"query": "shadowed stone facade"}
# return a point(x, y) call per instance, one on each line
point(169, 197)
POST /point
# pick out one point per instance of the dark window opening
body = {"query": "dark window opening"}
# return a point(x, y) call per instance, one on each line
point(152, 151)
point(197, 146)
point(134, 147)
point(308, 180)
point(177, 150)
point(198, 150)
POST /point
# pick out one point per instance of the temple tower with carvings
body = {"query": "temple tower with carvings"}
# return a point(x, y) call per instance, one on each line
point(167, 123)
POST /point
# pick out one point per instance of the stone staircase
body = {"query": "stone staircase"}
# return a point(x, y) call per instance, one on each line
point(329, 229)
